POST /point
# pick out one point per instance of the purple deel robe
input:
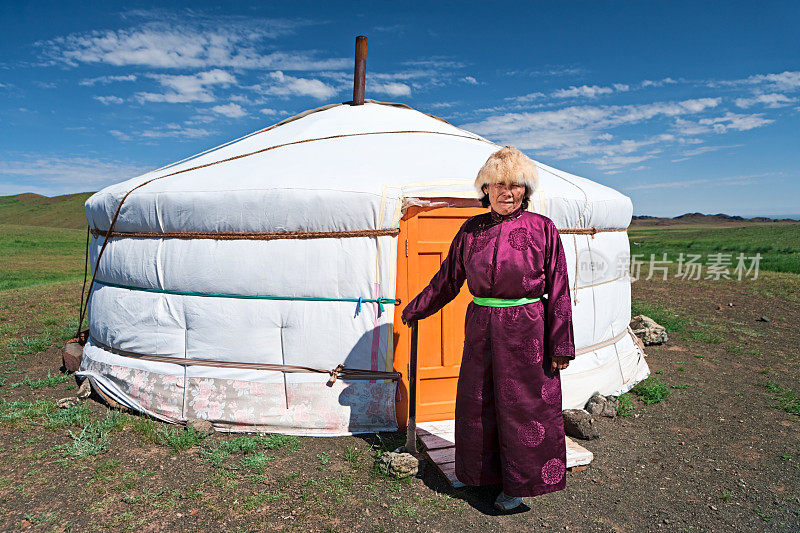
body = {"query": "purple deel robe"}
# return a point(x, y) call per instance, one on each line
point(509, 427)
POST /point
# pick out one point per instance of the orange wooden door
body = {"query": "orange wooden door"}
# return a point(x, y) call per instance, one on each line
point(441, 336)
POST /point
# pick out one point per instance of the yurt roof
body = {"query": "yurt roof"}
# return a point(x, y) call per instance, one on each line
point(335, 168)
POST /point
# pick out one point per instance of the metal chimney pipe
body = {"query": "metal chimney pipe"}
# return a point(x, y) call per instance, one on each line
point(360, 74)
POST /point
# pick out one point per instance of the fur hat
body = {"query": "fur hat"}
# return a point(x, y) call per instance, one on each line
point(507, 165)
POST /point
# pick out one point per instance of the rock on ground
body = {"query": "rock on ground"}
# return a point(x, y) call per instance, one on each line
point(602, 405)
point(400, 464)
point(648, 330)
point(71, 355)
point(580, 424)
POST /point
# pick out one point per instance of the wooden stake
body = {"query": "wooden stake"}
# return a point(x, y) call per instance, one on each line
point(360, 74)
point(411, 430)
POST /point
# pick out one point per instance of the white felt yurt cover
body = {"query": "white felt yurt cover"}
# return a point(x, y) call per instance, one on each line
point(340, 168)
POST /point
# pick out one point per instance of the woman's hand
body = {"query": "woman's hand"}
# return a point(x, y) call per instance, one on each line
point(559, 362)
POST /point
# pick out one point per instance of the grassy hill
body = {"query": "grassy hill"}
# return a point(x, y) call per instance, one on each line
point(31, 209)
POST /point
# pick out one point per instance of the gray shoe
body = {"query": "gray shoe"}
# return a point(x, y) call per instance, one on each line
point(507, 503)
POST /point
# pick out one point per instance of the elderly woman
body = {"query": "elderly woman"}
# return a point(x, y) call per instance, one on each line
point(509, 428)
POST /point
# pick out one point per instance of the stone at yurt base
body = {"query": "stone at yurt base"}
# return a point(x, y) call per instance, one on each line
point(578, 423)
point(648, 330)
point(233, 296)
point(602, 405)
point(400, 464)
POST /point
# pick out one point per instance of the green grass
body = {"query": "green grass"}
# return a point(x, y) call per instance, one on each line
point(107, 470)
point(49, 381)
point(256, 500)
point(669, 318)
point(704, 336)
point(651, 390)
point(178, 438)
point(778, 244)
point(42, 412)
point(788, 400)
point(251, 447)
point(352, 456)
point(95, 436)
point(256, 462)
point(31, 255)
point(38, 343)
point(626, 406)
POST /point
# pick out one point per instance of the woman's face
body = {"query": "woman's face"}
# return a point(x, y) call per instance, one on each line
point(505, 198)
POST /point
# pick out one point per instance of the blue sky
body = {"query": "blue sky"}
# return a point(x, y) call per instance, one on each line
point(683, 106)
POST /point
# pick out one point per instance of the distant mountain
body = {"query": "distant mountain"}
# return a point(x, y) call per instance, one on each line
point(29, 209)
point(701, 218)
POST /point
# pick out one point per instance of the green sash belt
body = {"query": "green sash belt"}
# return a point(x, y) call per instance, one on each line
point(502, 302)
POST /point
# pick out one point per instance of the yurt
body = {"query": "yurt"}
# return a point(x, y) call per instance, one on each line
point(259, 285)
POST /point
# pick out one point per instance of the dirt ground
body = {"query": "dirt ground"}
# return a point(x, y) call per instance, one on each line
point(716, 455)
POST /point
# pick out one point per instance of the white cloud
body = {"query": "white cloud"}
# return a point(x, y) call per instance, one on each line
point(390, 88)
point(724, 124)
point(122, 136)
point(106, 100)
point(585, 91)
point(268, 111)
point(199, 119)
point(712, 182)
point(394, 28)
point(608, 162)
point(688, 154)
point(230, 110)
point(780, 82)
point(656, 83)
point(771, 100)
point(188, 87)
point(785, 81)
point(437, 63)
point(586, 130)
point(471, 80)
point(173, 130)
point(545, 128)
point(105, 80)
point(62, 174)
point(525, 98)
point(400, 83)
point(219, 42)
point(555, 70)
point(441, 105)
point(282, 85)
